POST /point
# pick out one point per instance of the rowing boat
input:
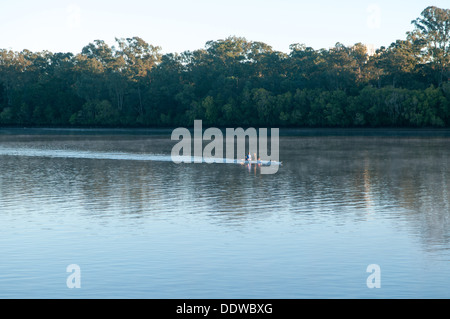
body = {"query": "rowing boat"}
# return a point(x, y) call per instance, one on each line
point(259, 162)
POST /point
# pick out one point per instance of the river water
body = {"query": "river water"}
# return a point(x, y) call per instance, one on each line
point(140, 226)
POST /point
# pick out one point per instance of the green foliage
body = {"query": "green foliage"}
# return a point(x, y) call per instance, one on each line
point(96, 113)
point(235, 82)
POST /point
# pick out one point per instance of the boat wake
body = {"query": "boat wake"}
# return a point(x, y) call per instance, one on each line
point(75, 154)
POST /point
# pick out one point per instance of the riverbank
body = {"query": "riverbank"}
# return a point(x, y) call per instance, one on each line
point(283, 131)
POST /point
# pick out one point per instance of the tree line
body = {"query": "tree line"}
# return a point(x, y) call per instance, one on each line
point(235, 82)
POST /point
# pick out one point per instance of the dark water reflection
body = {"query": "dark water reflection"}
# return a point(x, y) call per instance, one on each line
point(159, 229)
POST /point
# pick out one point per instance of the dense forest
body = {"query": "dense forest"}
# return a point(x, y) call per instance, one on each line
point(235, 82)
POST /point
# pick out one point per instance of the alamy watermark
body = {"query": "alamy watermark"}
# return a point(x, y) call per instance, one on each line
point(213, 152)
point(73, 19)
point(374, 279)
point(374, 17)
point(74, 279)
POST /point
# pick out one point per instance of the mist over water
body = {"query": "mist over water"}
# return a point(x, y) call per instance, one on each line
point(145, 227)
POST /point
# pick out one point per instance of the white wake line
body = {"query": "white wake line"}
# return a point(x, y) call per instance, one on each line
point(23, 152)
point(82, 154)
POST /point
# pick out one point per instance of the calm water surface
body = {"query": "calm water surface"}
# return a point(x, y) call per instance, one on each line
point(140, 226)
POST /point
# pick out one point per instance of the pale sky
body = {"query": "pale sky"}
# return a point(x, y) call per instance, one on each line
point(177, 25)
